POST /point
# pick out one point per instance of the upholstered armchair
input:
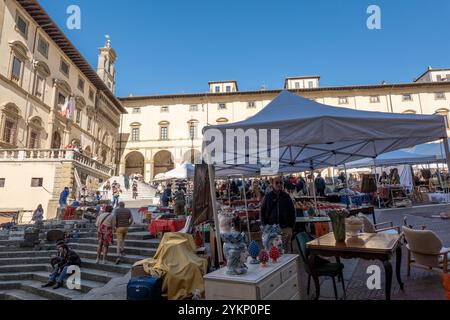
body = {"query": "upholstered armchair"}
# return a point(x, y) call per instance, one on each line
point(425, 249)
point(385, 227)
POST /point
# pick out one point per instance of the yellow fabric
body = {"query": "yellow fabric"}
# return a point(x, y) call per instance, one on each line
point(176, 260)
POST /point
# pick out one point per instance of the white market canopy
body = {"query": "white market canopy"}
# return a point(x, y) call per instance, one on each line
point(183, 172)
point(394, 158)
point(314, 135)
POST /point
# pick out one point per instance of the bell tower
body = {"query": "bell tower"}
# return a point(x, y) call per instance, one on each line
point(106, 65)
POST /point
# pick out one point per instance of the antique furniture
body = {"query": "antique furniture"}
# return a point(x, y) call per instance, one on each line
point(369, 246)
point(369, 227)
point(425, 250)
point(323, 267)
point(276, 281)
point(364, 210)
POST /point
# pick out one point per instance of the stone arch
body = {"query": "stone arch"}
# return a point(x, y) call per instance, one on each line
point(88, 151)
point(43, 68)
point(445, 113)
point(163, 162)
point(134, 163)
point(20, 49)
point(409, 111)
point(192, 156)
point(222, 120)
point(11, 109)
point(64, 86)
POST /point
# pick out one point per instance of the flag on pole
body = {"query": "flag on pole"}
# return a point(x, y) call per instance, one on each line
point(64, 107)
point(69, 108)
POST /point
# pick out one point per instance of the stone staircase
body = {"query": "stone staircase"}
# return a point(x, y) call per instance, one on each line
point(23, 270)
point(146, 192)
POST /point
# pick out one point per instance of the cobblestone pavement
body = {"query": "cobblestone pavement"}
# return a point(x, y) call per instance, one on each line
point(421, 285)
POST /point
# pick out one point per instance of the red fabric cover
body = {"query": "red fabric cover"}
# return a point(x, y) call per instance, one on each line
point(161, 225)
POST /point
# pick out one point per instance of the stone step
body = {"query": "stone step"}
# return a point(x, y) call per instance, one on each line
point(34, 287)
point(128, 259)
point(24, 254)
point(149, 243)
point(42, 276)
point(24, 260)
point(24, 268)
point(148, 252)
point(43, 258)
point(122, 268)
point(98, 275)
point(17, 294)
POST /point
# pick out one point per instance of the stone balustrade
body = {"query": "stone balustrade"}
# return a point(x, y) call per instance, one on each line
point(30, 155)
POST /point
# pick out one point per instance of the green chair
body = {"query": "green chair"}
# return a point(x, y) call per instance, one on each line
point(323, 267)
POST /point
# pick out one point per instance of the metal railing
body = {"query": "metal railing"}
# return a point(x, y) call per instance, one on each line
point(30, 155)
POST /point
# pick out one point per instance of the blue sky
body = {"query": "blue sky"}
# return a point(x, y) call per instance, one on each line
point(168, 46)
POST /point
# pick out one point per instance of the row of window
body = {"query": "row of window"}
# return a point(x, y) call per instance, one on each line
point(164, 131)
point(217, 89)
point(43, 48)
point(405, 97)
point(298, 86)
point(35, 182)
point(194, 108)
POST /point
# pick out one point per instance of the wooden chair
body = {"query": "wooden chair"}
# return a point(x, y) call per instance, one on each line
point(323, 267)
point(370, 227)
point(425, 250)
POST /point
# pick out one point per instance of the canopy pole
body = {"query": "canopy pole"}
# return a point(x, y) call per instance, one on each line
point(314, 193)
point(447, 154)
point(246, 211)
point(377, 182)
point(212, 189)
point(229, 191)
point(347, 194)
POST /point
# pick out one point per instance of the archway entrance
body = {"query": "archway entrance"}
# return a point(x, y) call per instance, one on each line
point(56, 140)
point(134, 163)
point(163, 162)
point(192, 156)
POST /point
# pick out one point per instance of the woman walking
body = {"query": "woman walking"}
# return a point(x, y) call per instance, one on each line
point(104, 233)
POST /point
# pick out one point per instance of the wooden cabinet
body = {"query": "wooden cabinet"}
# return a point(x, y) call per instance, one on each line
point(276, 281)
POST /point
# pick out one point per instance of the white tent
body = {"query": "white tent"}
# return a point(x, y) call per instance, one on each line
point(183, 172)
point(311, 136)
point(314, 135)
point(399, 157)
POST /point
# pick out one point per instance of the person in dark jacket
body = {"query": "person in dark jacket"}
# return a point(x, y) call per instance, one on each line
point(320, 185)
point(278, 208)
point(60, 263)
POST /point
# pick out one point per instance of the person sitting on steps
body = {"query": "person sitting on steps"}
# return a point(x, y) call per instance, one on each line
point(60, 263)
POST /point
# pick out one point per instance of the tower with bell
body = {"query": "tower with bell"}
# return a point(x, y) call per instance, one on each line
point(106, 64)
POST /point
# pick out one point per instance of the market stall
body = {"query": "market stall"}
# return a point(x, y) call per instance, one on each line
point(306, 136)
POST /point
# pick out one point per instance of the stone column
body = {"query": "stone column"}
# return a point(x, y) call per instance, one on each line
point(52, 116)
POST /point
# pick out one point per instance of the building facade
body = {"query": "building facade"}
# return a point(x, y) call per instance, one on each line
point(51, 98)
point(161, 132)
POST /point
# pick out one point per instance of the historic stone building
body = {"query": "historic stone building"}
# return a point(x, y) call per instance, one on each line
point(160, 132)
point(50, 97)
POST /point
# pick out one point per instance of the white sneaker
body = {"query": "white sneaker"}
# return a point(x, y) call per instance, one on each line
point(103, 261)
point(97, 261)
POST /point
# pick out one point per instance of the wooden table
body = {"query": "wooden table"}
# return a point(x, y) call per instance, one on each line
point(312, 219)
point(276, 281)
point(366, 246)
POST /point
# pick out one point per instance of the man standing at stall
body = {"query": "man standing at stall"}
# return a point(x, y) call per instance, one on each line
point(278, 209)
point(320, 185)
